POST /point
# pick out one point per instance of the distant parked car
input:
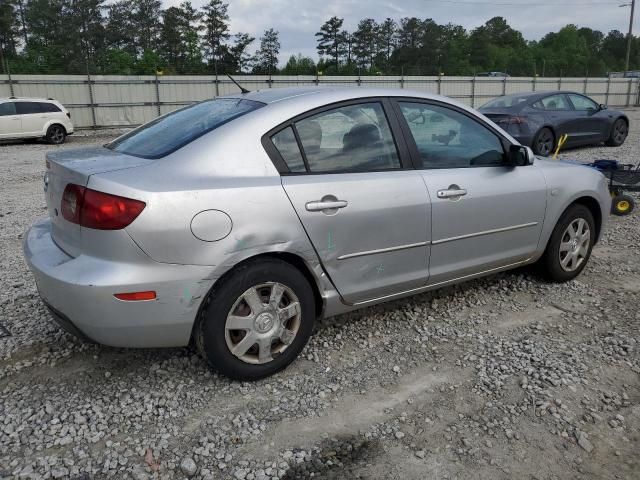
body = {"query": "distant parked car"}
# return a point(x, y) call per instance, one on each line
point(539, 119)
point(492, 74)
point(23, 118)
point(237, 222)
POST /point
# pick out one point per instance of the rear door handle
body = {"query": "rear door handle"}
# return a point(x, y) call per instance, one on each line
point(320, 205)
point(452, 192)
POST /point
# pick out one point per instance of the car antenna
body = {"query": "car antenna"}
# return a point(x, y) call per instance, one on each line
point(242, 89)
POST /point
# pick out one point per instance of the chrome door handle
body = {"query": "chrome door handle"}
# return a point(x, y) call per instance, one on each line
point(319, 205)
point(452, 192)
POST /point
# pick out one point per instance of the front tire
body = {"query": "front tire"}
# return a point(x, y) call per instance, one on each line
point(56, 134)
point(544, 142)
point(257, 321)
point(570, 245)
point(619, 133)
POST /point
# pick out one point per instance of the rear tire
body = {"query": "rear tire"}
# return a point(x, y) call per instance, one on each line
point(544, 142)
point(619, 133)
point(273, 307)
point(567, 254)
point(622, 205)
point(56, 134)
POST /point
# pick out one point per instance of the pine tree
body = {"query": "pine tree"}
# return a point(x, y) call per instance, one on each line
point(386, 40)
point(365, 43)
point(241, 58)
point(267, 54)
point(216, 28)
point(330, 39)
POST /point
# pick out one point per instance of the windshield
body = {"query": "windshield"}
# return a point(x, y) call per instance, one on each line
point(167, 134)
point(507, 101)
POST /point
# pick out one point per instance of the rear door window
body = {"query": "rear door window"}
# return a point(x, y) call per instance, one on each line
point(555, 102)
point(167, 134)
point(25, 108)
point(353, 138)
point(7, 108)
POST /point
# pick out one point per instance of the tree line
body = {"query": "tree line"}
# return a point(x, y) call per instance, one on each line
point(140, 37)
point(128, 37)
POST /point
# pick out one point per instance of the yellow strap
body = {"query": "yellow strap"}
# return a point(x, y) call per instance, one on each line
point(561, 141)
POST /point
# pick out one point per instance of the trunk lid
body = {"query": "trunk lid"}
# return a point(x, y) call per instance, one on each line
point(77, 166)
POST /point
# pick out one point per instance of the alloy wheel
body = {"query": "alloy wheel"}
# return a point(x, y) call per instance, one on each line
point(263, 322)
point(545, 142)
point(56, 135)
point(620, 131)
point(574, 245)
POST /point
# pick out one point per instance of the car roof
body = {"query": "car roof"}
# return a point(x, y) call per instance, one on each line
point(542, 93)
point(298, 100)
point(27, 99)
point(331, 94)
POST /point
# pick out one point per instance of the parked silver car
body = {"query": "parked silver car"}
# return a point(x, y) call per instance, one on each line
point(237, 222)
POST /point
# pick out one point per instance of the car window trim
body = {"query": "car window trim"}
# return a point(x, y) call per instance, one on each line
point(303, 154)
point(404, 156)
point(413, 146)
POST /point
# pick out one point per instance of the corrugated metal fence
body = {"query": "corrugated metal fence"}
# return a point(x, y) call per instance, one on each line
point(102, 101)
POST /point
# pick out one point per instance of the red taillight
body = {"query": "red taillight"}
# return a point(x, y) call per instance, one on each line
point(102, 211)
point(135, 296)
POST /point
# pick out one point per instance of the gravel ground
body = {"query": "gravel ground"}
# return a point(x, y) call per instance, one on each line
point(504, 377)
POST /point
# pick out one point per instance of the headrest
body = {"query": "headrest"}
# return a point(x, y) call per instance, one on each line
point(361, 136)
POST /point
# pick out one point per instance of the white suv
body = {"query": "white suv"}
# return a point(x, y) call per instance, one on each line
point(34, 118)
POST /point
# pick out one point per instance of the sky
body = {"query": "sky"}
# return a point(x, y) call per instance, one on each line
point(298, 20)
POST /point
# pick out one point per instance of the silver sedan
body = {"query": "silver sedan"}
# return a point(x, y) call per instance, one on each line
point(236, 222)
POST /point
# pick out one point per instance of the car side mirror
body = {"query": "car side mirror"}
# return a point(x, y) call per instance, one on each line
point(519, 156)
point(602, 106)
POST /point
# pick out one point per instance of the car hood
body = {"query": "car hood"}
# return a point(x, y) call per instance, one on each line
point(566, 172)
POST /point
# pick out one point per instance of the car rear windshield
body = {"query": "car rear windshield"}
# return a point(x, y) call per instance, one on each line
point(167, 134)
point(505, 102)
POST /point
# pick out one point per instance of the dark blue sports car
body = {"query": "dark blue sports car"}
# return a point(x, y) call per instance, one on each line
point(539, 119)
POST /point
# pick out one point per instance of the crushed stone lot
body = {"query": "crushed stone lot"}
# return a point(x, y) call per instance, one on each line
point(507, 377)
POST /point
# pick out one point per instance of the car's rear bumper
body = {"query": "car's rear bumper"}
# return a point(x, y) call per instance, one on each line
point(80, 292)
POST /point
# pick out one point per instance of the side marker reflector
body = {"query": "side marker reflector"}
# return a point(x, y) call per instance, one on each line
point(136, 296)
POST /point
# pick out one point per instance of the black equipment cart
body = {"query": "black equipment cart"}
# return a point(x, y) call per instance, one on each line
point(622, 178)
